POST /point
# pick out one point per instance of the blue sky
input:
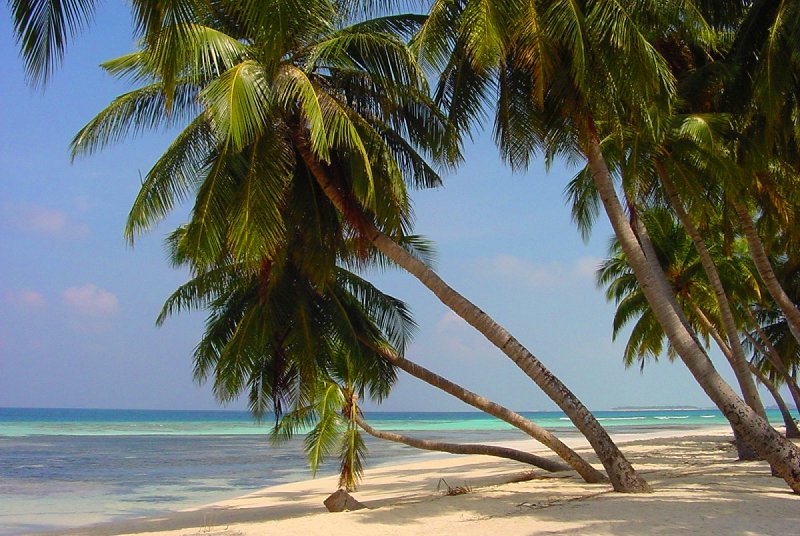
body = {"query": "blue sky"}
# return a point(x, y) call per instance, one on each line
point(78, 305)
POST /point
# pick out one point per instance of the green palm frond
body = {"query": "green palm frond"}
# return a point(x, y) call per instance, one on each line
point(435, 39)
point(238, 104)
point(581, 194)
point(352, 454)
point(322, 440)
point(173, 178)
point(292, 87)
point(43, 29)
point(257, 229)
point(133, 113)
point(391, 315)
point(360, 47)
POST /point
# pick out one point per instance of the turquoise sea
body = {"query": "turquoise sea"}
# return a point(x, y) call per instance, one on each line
point(69, 467)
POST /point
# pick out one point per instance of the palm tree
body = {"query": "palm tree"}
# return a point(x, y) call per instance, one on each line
point(332, 407)
point(337, 99)
point(569, 76)
point(680, 261)
point(306, 351)
point(764, 95)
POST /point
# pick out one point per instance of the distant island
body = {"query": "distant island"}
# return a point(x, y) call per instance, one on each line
point(654, 408)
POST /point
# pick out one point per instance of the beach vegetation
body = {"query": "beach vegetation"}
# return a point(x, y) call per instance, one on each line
point(345, 107)
point(281, 92)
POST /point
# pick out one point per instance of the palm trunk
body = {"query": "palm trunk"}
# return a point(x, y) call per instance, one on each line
point(621, 473)
point(743, 449)
point(766, 347)
point(587, 472)
point(766, 272)
point(782, 455)
point(737, 359)
point(465, 448)
point(792, 431)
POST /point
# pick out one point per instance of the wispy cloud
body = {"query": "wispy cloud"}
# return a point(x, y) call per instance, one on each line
point(457, 338)
point(25, 300)
point(43, 220)
point(91, 300)
point(586, 267)
point(537, 275)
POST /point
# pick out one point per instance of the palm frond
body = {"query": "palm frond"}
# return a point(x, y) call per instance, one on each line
point(43, 29)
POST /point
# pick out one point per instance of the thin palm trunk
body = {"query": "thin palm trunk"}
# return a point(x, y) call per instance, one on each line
point(782, 455)
point(587, 472)
point(465, 448)
point(761, 260)
point(792, 431)
point(621, 473)
point(743, 449)
point(738, 360)
point(766, 347)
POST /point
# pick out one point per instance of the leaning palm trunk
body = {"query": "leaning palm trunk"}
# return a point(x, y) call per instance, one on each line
point(766, 272)
point(735, 353)
point(782, 454)
point(737, 359)
point(792, 431)
point(587, 472)
point(766, 347)
point(465, 448)
point(744, 450)
point(621, 473)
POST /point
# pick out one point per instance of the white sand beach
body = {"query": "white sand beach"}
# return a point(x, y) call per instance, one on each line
point(700, 488)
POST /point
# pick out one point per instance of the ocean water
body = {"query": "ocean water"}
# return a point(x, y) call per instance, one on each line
point(69, 467)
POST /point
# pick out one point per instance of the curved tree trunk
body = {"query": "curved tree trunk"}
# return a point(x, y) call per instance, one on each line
point(621, 473)
point(743, 449)
point(737, 358)
point(759, 255)
point(465, 448)
point(587, 472)
point(768, 349)
point(792, 431)
point(782, 454)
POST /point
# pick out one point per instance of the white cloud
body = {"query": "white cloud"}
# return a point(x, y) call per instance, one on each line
point(91, 300)
point(540, 275)
point(586, 267)
point(25, 300)
point(535, 275)
point(43, 220)
point(450, 321)
point(457, 338)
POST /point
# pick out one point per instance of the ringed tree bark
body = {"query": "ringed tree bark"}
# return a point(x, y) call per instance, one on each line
point(623, 476)
point(782, 454)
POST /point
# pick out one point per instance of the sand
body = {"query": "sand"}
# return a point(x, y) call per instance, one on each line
point(700, 488)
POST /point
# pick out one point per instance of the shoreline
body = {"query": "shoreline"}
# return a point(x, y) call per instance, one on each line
point(692, 470)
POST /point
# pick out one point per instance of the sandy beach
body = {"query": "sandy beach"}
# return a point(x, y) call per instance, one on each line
point(700, 488)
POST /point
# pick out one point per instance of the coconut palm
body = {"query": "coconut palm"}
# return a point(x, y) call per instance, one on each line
point(337, 101)
point(333, 410)
point(675, 172)
point(680, 261)
point(305, 351)
point(764, 93)
point(569, 76)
